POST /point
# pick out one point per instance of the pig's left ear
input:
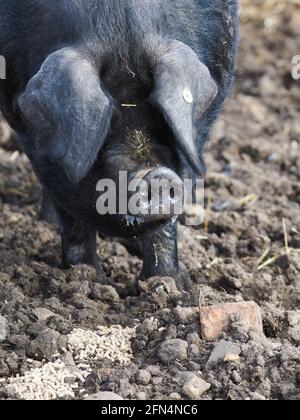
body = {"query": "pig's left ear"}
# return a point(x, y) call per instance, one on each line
point(183, 92)
point(67, 105)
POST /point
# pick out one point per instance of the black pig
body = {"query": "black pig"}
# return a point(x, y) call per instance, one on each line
point(71, 67)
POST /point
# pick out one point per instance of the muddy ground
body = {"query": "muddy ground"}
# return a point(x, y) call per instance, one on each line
point(253, 190)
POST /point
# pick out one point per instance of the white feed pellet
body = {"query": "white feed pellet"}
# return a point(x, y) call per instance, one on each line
point(49, 382)
point(107, 343)
point(56, 380)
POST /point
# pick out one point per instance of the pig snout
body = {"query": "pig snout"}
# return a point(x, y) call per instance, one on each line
point(162, 192)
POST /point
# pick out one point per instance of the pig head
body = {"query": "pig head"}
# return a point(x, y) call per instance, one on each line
point(71, 110)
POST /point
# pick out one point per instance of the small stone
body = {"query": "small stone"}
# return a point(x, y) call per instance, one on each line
point(217, 318)
point(143, 377)
point(3, 329)
point(175, 396)
point(195, 387)
point(172, 351)
point(43, 314)
point(104, 396)
point(224, 351)
point(231, 358)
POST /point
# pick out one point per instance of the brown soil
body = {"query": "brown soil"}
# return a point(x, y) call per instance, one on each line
point(253, 186)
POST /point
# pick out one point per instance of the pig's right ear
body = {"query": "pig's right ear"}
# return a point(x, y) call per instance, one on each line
point(67, 105)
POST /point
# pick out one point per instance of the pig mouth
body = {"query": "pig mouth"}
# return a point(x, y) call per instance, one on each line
point(136, 226)
point(138, 221)
point(130, 227)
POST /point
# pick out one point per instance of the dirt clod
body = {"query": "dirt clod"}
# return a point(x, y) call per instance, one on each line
point(172, 351)
point(143, 377)
point(105, 293)
point(44, 346)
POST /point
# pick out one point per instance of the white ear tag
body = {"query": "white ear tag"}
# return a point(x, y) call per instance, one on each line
point(188, 96)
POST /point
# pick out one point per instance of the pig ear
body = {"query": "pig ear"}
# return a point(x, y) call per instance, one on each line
point(183, 91)
point(66, 104)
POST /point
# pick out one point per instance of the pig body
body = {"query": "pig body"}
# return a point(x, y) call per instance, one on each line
point(73, 64)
